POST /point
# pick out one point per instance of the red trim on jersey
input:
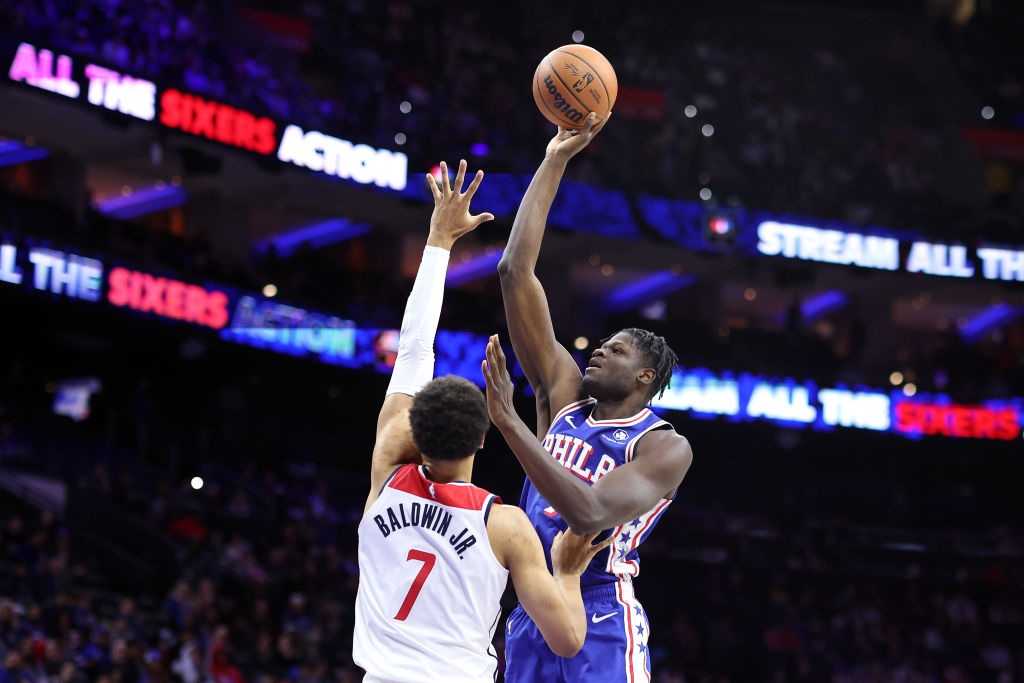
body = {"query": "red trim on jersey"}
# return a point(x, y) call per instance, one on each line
point(639, 417)
point(658, 509)
point(572, 406)
point(652, 517)
point(629, 629)
point(410, 479)
point(632, 442)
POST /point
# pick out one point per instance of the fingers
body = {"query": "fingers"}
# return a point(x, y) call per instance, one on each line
point(434, 189)
point(588, 550)
point(473, 185)
point(588, 123)
point(480, 219)
point(601, 125)
point(446, 188)
point(460, 176)
point(595, 549)
point(496, 356)
point(499, 353)
point(492, 357)
point(493, 370)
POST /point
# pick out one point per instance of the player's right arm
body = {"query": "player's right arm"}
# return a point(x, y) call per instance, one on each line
point(552, 599)
point(551, 371)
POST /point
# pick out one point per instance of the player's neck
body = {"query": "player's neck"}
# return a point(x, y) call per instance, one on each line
point(607, 409)
point(444, 471)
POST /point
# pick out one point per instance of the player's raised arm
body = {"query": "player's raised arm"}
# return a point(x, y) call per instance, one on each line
point(625, 493)
point(414, 365)
point(548, 366)
point(552, 599)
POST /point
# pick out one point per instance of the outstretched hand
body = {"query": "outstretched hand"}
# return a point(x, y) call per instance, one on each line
point(451, 218)
point(571, 553)
point(499, 384)
point(568, 142)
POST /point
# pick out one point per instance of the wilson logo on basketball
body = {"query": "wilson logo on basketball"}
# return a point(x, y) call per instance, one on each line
point(560, 103)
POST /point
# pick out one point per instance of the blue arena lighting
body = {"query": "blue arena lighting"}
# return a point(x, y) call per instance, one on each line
point(315, 236)
point(578, 207)
point(990, 319)
point(142, 202)
point(820, 305)
point(647, 289)
point(473, 269)
point(13, 152)
point(677, 220)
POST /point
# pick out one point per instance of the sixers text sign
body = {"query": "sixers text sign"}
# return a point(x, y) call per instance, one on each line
point(168, 298)
point(951, 419)
point(216, 121)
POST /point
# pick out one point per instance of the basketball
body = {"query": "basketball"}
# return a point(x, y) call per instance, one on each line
point(572, 81)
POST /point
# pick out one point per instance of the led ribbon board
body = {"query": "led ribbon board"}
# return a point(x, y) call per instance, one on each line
point(254, 320)
point(843, 247)
point(237, 317)
point(743, 397)
point(236, 127)
point(578, 207)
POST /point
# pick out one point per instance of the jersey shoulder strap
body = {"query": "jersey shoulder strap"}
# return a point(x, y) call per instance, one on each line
point(412, 480)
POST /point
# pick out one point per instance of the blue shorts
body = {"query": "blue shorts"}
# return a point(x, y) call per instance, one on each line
point(615, 650)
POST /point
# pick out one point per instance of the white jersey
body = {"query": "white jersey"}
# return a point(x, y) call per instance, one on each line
point(429, 583)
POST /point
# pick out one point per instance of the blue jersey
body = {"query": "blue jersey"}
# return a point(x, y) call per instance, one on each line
point(590, 449)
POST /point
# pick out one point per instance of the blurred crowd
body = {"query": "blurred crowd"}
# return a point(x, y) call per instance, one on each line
point(843, 556)
point(837, 114)
point(266, 578)
point(285, 616)
point(177, 43)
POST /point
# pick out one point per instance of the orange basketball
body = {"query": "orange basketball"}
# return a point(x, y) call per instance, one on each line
point(572, 81)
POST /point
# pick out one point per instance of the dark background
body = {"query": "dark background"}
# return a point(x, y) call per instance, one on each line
point(789, 554)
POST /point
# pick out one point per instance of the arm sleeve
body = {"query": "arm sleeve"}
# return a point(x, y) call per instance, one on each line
point(414, 365)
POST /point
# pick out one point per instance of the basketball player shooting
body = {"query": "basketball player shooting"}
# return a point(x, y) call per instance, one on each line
point(605, 463)
point(435, 551)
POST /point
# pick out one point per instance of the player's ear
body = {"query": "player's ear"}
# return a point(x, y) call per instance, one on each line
point(647, 375)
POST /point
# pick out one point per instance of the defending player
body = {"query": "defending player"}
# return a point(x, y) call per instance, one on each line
point(434, 550)
point(607, 463)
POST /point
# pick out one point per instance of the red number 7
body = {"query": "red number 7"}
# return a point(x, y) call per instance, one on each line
point(428, 560)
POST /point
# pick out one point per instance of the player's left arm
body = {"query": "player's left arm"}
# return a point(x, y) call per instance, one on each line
point(414, 365)
point(661, 460)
